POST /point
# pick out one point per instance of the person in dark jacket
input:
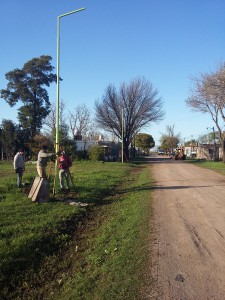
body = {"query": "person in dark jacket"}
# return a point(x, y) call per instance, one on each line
point(64, 173)
point(42, 161)
point(19, 166)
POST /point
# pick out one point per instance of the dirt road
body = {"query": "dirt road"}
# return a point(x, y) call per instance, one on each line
point(189, 210)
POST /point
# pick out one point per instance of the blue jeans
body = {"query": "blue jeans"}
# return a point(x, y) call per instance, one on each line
point(19, 172)
point(64, 174)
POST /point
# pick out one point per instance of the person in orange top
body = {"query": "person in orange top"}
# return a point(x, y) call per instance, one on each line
point(64, 164)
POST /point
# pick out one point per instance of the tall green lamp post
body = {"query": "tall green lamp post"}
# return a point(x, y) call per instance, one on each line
point(57, 95)
point(122, 135)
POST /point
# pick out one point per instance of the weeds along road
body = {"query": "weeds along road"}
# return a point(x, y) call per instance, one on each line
point(189, 210)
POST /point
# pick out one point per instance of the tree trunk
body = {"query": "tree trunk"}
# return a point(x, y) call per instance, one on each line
point(223, 148)
point(126, 150)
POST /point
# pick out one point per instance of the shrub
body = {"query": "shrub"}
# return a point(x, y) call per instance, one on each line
point(81, 154)
point(96, 153)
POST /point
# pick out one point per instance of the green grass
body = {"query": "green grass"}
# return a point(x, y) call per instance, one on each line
point(215, 166)
point(59, 251)
point(115, 260)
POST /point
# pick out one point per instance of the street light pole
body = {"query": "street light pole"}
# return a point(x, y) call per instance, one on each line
point(214, 139)
point(58, 92)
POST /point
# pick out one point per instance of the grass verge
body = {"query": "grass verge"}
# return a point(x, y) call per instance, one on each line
point(114, 261)
point(56, 251)
point(218, 166)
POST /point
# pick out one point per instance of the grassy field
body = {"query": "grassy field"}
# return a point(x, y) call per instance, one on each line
point(57, 251)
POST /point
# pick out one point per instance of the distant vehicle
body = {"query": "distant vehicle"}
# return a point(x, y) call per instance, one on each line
point(160, 152)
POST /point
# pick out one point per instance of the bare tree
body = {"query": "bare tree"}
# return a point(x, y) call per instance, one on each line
point(208, 96)
point(50, 123)
point(80, 121)
point(136, 104)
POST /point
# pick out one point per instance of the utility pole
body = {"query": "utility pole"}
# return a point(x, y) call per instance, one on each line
point(214, 138)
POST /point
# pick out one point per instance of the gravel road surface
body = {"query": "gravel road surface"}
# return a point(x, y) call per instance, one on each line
point(189, 238)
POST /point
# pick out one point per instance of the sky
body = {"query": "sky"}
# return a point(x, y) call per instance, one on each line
point(110, 42)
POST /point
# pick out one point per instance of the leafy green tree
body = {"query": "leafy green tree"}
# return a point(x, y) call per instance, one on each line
point(36, 145)
point(209, 138)
point(144, 141)
point(169, 140)
point(9, 139)
point(192, 142)
point(28, 86)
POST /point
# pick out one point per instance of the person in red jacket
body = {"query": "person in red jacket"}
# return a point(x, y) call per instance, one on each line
point(64, 173)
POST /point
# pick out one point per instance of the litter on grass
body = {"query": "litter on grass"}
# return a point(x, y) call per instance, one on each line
point(72, 202)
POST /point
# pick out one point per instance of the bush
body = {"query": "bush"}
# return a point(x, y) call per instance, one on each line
point(96, 153)
point(81, 154)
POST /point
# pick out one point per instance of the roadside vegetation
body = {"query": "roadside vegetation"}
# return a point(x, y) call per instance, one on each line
point(217, 166)
point(58, 251)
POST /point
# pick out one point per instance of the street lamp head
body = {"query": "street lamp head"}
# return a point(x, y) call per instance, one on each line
point(71, 12)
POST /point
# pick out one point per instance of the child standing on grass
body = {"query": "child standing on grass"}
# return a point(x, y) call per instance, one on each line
point(19, 166)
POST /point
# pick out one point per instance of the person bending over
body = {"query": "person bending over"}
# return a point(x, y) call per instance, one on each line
point(42, 161)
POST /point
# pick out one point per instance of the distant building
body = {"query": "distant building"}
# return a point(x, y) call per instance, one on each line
point(191, 151)
point(111, 149)
point(205, 151)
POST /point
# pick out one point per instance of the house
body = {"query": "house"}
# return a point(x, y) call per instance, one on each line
point(191, 151)
point(111, 148)
point(210, 151)
point(205, 151)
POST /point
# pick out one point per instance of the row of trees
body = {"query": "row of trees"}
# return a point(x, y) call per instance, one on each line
point(171, 140)
point(13, 136)
point(122, 112)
